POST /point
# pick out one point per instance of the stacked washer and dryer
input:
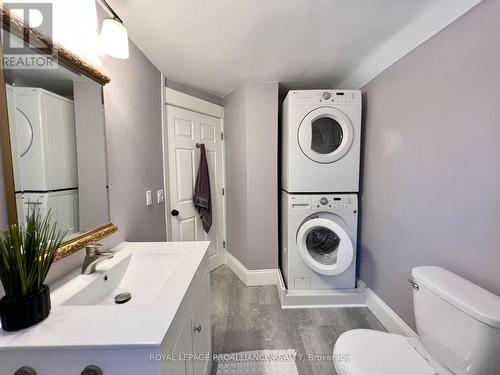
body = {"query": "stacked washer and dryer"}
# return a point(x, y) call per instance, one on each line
point(319, 185)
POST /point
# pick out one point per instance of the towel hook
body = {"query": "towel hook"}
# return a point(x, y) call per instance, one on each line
point(198, 145)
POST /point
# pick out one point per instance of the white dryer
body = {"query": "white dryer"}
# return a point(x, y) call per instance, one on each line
point(46, 140)
point(318, 240)
point(321, 134)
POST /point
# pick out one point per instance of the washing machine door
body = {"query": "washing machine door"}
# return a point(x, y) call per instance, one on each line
point(324, 246)
point(325, 135)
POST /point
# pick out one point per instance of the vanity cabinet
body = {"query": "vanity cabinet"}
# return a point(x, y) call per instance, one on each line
point(183, 347)
point(201, 333)
point(191, 351)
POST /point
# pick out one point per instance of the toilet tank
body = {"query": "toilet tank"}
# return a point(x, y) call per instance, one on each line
point(458, 322)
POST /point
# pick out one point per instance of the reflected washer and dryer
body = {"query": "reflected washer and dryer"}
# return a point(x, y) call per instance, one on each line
point(321, 141)
point(318, 243)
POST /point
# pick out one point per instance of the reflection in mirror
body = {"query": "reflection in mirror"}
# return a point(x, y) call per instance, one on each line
point(58, 146)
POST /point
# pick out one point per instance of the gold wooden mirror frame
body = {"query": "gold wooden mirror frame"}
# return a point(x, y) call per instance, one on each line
point(66, 58)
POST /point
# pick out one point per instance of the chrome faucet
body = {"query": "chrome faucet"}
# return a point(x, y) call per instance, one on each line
point(93, 257)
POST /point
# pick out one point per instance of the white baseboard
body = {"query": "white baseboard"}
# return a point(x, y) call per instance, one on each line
point(216, 261)
point(386, 315)
point(251, 277)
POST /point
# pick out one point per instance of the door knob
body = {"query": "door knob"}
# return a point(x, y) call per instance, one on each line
point(174, 212)
point(25, 370)
point(91, 370)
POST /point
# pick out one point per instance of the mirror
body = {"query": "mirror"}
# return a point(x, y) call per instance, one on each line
point(55, 144)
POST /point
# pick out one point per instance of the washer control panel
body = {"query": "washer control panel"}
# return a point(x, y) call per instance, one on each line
point(323, 201)
point(333, 201)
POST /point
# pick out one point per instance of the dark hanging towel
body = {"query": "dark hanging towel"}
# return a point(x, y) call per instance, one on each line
point(202, 198)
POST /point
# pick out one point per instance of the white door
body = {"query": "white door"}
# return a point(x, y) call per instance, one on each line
point(185, 130)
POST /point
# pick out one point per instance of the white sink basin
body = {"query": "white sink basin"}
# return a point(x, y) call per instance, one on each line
point(140, 274)
point(84, 313)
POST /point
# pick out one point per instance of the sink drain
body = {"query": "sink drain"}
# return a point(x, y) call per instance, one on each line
point(122, 298)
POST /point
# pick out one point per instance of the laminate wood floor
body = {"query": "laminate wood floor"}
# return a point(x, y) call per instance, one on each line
point(250, 318)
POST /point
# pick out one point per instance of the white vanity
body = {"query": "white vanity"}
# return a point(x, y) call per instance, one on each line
point(163, 329)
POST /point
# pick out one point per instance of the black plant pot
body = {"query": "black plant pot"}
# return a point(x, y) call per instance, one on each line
point(23, 312)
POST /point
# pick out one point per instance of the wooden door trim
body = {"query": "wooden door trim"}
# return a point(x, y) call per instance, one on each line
point(8, 170)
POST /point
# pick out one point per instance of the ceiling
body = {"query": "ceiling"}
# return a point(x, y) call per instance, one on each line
point(215, 45)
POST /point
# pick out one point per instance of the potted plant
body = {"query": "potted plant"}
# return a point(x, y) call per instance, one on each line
point(26, 254)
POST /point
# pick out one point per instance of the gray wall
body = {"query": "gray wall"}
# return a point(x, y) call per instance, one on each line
point(132, 102)
point(262, 185)
point(236, 173)
point(251, 130)
point(132, 108)
point(134, 150)
point(431, 180)
point(193, 92)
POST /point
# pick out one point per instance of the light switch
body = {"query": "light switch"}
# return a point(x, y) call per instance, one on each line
point(160, 195)
point(149, 199)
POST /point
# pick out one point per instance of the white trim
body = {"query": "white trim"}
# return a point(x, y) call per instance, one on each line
point(386, 315)
point(164, 146)
point(224, 202)
point(216, 261)
point(437, 15)
point(251, 277)
point(191, 103)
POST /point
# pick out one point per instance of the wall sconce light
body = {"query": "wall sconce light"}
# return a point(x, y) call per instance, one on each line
point(114, 36)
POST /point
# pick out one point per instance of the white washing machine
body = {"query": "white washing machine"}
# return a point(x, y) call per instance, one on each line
point(321, 141)
point(318, 240)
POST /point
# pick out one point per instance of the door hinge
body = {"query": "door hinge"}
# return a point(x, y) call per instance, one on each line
point(221, 136)
point(224, 244)
point(223, 191)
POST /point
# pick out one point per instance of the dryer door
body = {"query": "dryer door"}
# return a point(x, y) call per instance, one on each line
point(24, 133)
point(325, 246)
point(325, 135)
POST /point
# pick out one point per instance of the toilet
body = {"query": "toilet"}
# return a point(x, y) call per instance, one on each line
point(458, 325)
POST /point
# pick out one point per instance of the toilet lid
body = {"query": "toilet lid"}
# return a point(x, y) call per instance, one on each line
point(369, 352)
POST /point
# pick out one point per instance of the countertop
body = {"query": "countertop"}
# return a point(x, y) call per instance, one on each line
point(113, 325)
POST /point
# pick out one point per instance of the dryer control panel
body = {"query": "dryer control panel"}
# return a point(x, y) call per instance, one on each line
point(307, 97)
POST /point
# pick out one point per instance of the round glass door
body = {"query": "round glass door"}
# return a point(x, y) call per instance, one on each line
point(324, 245)
point(325, 135)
